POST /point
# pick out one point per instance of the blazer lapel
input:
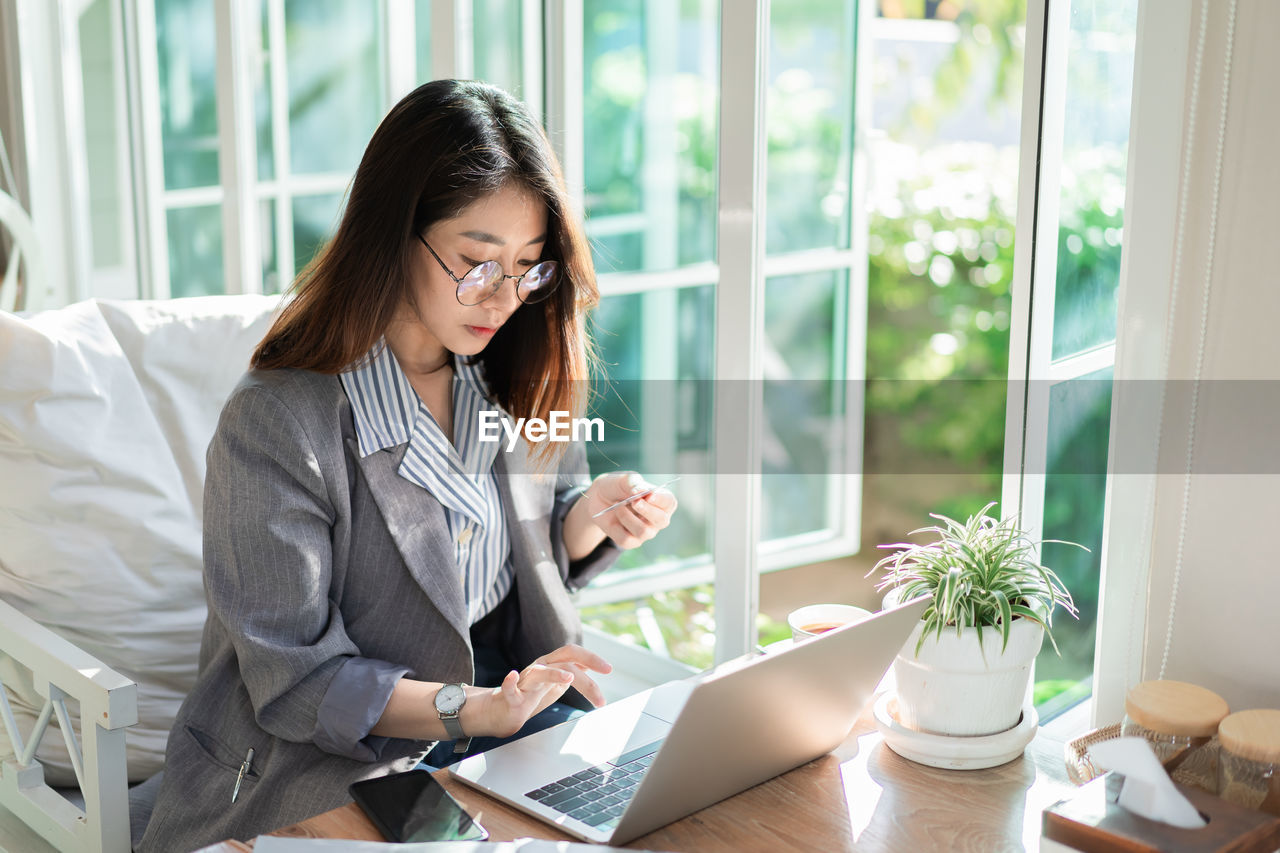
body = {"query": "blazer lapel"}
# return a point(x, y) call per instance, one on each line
point(416, 523)
point(528, 498)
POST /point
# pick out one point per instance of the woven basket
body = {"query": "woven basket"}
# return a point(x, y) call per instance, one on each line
point(1081, 769)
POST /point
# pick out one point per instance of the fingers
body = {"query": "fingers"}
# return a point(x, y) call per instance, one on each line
point(641, 520)
point(662, 500)
point(525, 693)
point(509, 689)
point(532, 689)
point(654, 509)
point(620, 485)
point(630, 524)
point(617, 486)
point(587, 686)
point(573, 653)
point(537, 678)
point(575, 676)
point(521, 695)
point(577, 662)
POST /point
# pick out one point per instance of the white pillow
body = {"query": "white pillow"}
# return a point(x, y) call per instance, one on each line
point(106, 409)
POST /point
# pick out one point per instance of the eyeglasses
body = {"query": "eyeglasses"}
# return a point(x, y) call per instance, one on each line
point(485, 279)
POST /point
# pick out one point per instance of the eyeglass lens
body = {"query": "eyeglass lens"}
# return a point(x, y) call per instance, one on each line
point(484, 280)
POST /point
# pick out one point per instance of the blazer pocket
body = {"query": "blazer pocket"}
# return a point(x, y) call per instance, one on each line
point(218, 753)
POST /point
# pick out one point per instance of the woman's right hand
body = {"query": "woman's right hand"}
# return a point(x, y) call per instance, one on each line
point(502, 710)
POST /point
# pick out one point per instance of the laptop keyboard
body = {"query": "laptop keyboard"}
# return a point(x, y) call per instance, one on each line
point(598, 795)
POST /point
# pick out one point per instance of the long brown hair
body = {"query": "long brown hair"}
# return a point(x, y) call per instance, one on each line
point(445, 145)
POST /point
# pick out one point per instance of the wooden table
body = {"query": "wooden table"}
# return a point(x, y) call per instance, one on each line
point(862, 797)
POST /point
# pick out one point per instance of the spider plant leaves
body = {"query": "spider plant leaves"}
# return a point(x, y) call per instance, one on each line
point(1006, 618)
point(949, 590)
point(982, 573)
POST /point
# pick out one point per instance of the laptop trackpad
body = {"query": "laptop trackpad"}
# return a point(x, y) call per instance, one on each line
point(592, 739)
point(620, 726)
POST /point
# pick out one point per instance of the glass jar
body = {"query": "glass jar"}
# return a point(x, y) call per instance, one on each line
point(1179, 720)
point(1249, 766)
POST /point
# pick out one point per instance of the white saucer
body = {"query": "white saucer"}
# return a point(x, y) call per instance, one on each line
point(954, 752)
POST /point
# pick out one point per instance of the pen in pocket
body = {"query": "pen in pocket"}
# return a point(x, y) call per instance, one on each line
point(244, 770)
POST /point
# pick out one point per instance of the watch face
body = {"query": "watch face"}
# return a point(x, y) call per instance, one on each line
point(450, 698)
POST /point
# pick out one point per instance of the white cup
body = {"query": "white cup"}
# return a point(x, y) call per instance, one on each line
point(814, 619)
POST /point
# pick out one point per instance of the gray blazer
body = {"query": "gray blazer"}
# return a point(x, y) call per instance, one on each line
point(314, 555)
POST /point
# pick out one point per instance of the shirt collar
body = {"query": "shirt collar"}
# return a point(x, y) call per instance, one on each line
point(386, 408)
point(388, 413)
point(384, 405)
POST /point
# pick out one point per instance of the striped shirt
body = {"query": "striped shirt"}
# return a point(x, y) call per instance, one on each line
point(389, 413)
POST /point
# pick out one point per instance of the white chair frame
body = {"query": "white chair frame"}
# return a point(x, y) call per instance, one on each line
point(26, 246)
point(62, 671)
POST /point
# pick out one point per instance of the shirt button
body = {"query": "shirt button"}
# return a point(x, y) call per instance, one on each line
point(464, 536)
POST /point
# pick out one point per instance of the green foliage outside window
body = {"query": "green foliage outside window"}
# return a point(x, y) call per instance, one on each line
point(940, 253)
point(941, 263)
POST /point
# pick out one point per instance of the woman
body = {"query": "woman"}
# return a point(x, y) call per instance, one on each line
point(368, 560)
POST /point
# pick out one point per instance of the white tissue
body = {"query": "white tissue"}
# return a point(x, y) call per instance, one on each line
point(1148, 791)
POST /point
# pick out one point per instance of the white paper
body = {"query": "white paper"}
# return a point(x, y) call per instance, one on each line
point(1147, 791)
point(276, 844)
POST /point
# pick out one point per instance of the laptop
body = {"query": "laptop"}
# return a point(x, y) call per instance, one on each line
point(634, 765)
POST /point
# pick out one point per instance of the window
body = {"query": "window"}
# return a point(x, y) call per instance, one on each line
point(154, 141)
point(304, 63)
point(651, 104)
point(1070, 343)
point(204, 156)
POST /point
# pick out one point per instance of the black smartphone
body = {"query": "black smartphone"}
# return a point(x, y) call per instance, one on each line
point(413, 806)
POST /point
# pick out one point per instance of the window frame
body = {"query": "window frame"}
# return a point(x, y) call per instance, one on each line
point(43, 48)
point(1032, 368)
point(1162, 56)
point(1156, 116)
point(735, 359)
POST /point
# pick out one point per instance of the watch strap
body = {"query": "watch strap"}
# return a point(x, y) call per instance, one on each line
point(453, 727)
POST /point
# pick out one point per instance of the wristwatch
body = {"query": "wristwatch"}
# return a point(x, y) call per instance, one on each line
point(449, 701)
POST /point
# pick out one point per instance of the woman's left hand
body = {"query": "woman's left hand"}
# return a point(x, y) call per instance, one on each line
point(634, 523)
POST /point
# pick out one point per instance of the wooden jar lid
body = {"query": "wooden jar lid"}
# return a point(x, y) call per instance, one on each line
point(1254, 735)
point(1175, 708)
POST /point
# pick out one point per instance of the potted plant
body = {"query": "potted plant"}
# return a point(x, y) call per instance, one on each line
point(966, 667)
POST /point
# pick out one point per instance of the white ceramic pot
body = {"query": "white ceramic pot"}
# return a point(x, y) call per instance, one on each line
point(957, 687)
